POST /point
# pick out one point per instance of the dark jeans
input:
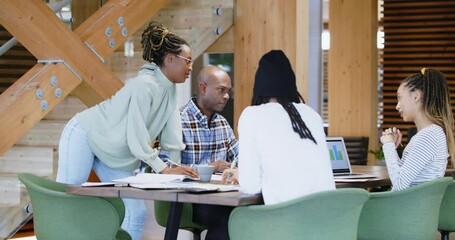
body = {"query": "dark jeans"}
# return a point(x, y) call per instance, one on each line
point(215, 217)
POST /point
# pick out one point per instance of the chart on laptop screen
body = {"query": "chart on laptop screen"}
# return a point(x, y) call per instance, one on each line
point(335, 153)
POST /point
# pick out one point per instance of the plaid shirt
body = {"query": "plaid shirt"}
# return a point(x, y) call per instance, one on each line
point(205, 144)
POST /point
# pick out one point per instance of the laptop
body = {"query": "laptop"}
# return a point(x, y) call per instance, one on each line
point(339, 160)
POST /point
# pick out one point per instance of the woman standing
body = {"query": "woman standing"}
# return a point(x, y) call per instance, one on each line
point(116, 135)
point(423, 98)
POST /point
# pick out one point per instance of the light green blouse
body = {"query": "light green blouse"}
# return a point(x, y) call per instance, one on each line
point(121, 129)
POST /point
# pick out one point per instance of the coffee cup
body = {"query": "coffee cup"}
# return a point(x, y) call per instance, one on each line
point(205, 172)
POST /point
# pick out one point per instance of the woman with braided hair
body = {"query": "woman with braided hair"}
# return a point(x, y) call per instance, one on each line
point(282, 147)
point(423, 98)
point(116, 136)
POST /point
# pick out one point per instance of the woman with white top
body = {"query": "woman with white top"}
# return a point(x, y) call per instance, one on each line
point(282, 147)
point(423, 98)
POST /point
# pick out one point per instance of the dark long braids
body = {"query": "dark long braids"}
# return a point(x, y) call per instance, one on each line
point(435, 101)
point(158, 40)
point(298, 125)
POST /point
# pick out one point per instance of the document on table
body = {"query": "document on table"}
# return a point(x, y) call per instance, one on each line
point(143, 178)
point(172, 181)
point(189, 186)
point(148, 178)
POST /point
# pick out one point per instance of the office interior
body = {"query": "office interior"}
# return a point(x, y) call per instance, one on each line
point(348, 55)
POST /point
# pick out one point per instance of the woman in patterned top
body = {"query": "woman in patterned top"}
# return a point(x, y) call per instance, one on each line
point(423, 98)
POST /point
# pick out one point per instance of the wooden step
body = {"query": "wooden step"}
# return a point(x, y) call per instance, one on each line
point(10, 191)
point(14, 52)
point(18, 62)
point(45, 134)
point(14, 217)
point(22, 159)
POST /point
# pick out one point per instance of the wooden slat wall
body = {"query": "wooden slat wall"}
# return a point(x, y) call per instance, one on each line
point(14, 63)
point(417, 34)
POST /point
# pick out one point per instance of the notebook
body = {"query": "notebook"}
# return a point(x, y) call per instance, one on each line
point(339, 159)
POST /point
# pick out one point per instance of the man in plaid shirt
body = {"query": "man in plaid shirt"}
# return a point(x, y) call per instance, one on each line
point(208, 137)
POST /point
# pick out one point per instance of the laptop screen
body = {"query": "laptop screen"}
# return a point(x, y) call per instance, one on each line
point(338, 155)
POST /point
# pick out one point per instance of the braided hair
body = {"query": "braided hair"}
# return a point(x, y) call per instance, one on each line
point(157, 41)
point(298, 125)
point(435, 101)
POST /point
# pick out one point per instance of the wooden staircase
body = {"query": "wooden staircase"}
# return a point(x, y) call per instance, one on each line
point(14, 63)
point(30, 135)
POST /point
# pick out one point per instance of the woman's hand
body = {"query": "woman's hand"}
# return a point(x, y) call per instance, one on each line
point(230, 176)
point(399, 136)
point(391, 135)
point(183, 170)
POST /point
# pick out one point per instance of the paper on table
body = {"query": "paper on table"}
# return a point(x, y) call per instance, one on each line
point(152, 178)
point(173, 181)
point(219, 187)
point(216, 177)
point(190, 186)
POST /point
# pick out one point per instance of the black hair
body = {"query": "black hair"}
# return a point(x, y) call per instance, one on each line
point(158, 40)
point(298, 125)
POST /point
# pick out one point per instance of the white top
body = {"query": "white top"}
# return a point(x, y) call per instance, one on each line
point(273, 158)
point(424, 158)
point(121, 129)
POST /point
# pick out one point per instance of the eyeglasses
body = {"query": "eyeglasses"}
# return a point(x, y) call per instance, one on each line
point(187, 60)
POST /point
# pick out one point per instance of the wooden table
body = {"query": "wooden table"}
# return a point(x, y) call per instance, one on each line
point(178, 197)
point(380, 182)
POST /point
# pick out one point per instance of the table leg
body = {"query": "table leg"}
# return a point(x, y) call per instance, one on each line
point(173, 221)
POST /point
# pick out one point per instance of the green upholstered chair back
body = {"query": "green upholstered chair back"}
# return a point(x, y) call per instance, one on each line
point(58, 215)
point(324, 215)
point(186, 221)
point(447, 211)
point(412, 213)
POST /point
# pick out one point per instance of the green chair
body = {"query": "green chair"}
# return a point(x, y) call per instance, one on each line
point(408, 214)
point(58, 215)
point(324, 215)
point(447, 213)
point(186, 222)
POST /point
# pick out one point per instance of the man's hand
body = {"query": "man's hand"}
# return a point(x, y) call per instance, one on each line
point(220, 165)
point(183, 170)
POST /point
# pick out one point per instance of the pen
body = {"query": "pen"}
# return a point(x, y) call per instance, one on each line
point(234, 163)
point(232, 167)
